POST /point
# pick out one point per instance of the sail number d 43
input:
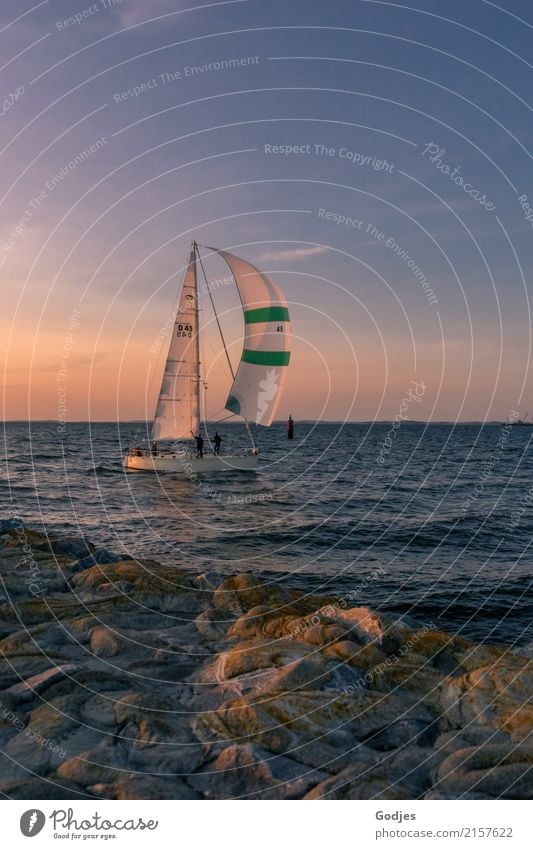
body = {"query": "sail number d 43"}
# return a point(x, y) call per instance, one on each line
point(184, 330)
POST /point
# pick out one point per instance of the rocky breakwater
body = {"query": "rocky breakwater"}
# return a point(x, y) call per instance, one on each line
point(121, 679)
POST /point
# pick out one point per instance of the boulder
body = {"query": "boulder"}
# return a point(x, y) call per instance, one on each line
point(497, 770)
point(249, 772)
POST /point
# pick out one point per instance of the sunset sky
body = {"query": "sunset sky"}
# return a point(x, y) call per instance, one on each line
point(255, 126)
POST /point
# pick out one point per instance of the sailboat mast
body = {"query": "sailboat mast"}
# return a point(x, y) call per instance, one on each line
point(197, 336)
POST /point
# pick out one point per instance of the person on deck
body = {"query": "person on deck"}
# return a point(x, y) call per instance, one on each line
point(217, 439)
point(199, 446)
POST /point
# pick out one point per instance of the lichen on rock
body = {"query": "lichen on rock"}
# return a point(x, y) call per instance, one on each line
point(122, 679)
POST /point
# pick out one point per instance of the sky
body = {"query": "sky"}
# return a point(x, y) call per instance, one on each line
point(372, 157)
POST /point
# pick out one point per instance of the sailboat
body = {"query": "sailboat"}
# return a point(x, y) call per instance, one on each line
point(257, 383)
point(522, 422)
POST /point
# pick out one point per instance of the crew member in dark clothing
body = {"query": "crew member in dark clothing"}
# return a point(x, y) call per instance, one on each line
point(217, 439)
point(199, 446)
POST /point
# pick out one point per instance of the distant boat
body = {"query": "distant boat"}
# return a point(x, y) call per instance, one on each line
point(257, 383)
point(521, 422)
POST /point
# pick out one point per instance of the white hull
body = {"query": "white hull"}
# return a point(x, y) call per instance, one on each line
point(189, 466)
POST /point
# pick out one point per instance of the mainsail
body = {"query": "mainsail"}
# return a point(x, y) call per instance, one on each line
point(178, 406)
point(257, 386)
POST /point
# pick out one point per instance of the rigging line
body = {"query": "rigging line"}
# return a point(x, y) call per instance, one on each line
point(202, 377)
point(215, 312)
point(205, 341)
point(246, 422)
point(197, 342)
point(215, 354)
point(219, 421)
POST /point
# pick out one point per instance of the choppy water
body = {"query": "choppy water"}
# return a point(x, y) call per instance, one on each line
point(441, 531)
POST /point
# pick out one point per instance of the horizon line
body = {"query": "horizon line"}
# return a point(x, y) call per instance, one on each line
point(276, 421)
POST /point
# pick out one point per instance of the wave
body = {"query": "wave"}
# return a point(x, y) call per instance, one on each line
point(103, 470)
point(354, 535)
point(30, 459)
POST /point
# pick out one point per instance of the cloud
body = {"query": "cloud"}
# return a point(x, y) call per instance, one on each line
point(131, 12)
point(76, 362)
point(292, 254)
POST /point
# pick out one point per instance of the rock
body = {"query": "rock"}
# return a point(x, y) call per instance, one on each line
point(98, 711)
point(157, 732)
point(343, 678)
point(74, 547)
point(209, 626)
point(55, 717)
point(88, 681)
point(22, 667)
point(437, 796)
point(414, 767)
point(348, 785)
point(362, 657)
point(443, 652)
point(242, 592)
point(405, 732)
point(498, 770)
point(35, 685)
point(497, 696)
point(106, 643)
point(43, 788)
point(123, 587)
point(410, 672)
point(164, 589)
point(406, 774)
point(362, 624)
point(248, 772)
point(126, 680)
point(331, 754)
point(162, 743)
point(99, 556)
point(300, 717)
point(8, 703)
point(470, 736)
point(134, 786)
point(11, 525)
point(285, 659)
point(360, 780)
point(21, 759)
point(99, 765)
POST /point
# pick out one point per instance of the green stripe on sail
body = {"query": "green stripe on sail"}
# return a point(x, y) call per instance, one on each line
point(264, 314)
point(266, 358)
point(233, 405)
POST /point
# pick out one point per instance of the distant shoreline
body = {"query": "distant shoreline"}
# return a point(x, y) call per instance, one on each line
point(276, 422)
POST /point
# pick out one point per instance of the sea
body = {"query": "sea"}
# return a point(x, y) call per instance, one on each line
point(428, 521)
